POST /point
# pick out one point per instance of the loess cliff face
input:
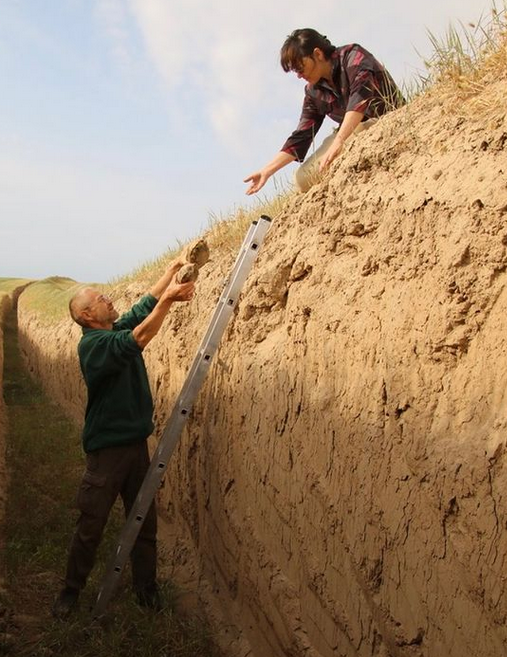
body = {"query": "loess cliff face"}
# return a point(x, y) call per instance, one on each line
point(50, 351)
point(340, 487)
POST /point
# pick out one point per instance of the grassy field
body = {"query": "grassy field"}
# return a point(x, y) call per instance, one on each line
point(45, 464)
point(8, 285)
point(49, 297)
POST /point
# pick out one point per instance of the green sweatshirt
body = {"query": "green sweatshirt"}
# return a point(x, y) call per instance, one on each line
point(120, 406)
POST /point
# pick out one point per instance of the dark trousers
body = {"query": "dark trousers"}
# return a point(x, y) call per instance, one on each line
point(111, 472)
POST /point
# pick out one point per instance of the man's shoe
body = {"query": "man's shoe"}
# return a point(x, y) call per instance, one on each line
point(65, 603)
point(150, 598)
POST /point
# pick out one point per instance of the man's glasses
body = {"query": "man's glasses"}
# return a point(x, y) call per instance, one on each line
point(102, 298)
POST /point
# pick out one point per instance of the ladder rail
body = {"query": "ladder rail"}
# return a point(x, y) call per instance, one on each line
point(181, 410)
point(230, 283)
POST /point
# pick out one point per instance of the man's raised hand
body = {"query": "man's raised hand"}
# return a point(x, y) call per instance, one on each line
point(179, 291)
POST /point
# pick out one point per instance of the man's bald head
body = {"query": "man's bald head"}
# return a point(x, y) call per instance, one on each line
point(80, 302)
point(90, 308)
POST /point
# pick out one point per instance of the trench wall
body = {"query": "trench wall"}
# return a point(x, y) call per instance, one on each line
point(49, 350)
point(340, 487)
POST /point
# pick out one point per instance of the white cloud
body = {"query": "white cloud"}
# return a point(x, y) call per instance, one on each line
point(223, 53)
point(170, 32)
point(113, 17)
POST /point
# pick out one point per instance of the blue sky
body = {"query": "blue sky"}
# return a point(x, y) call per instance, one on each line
point(125, 123)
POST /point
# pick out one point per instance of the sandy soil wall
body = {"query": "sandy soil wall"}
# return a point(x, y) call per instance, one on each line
point(49, 349)
point(341, 486)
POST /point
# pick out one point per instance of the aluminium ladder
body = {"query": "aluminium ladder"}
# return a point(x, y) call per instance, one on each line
point(181, 410)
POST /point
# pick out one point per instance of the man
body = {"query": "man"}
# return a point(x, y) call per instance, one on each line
point(118, 421)
point(347, 84)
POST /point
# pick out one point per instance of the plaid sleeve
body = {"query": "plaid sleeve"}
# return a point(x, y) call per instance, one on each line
point(363, 72)
point(301, 139)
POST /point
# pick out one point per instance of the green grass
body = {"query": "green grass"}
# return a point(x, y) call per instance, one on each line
point(45, 464)
point(8, 285)
point(49, 298)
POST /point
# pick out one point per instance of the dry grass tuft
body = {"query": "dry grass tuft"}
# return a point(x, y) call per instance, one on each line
point(467, 61)
point(224, 234)
point(227, 233)
point(149, 271)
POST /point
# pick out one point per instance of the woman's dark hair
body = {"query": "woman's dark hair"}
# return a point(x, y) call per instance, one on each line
point(302, 43)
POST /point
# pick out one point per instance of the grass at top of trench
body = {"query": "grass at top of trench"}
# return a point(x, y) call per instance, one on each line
point(45, 464)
